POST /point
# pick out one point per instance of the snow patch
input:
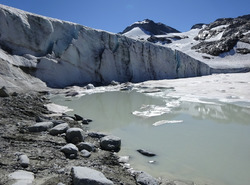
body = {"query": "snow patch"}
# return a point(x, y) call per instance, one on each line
point(137, 33)
point(57, 108)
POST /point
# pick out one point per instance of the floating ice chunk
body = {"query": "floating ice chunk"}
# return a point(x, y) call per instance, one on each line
point(173, 104)
point(151, 111)
point(162, 122)
point(57, 108)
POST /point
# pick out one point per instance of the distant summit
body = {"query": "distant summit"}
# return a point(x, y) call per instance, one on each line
point(151, 28)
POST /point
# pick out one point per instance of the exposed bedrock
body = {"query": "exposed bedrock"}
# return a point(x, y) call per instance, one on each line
point(63, 53)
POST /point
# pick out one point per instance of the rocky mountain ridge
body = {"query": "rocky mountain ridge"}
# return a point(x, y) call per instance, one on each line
point(232, 30)
point(222, 44)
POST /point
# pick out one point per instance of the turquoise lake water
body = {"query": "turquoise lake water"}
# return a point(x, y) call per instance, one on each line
point(203, 142)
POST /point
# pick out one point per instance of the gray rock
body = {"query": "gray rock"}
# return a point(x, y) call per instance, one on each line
point(110, 143)
point(86, 146)
point(24, 160)
point(146, 179)
point(70, 150)
point(4, 92)
point(40, 126)
point(22, 177)
point(41, 119)
point(90, 86)
point(78, 117)
point(114, 83)
point(59, 129)
point(75, 135)
point(85, 153)
point(84, 175)
point(58, 122)
point(177, 182)
point(86, 121)
point(96, 134)
point(60, 183)
point(146, 153)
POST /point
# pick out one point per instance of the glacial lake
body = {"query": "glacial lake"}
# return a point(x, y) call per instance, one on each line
point(206, 142)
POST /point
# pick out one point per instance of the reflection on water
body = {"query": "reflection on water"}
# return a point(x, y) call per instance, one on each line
point(223, 113)
point(187, 137)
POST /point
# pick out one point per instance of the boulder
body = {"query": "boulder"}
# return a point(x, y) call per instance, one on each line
point(4, 92)
point(24, 160)
point(60, 183)
point(22, 177)
point(145, 179)
point(40, 126)
point(78, 117)
point(85, 153)
point(86, 121)
point(59, 129)
point(41, 119)
point(58, 122)
point(70, 150)
point(86, 146)
point(75, 135)
point(110, 143)
point(84, 175)
point(90, 86)
point(146, 153)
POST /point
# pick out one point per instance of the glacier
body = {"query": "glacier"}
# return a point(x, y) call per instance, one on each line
point(40, 50)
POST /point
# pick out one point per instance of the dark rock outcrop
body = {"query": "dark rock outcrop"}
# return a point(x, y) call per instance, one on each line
point(198, 26)
point(151, 27)
point(163, 40)
point(232, 30)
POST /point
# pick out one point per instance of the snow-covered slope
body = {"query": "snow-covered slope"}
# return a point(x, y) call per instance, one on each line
point(62, 53)
point(224, 44)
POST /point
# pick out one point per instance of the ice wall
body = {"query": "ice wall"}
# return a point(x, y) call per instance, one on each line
point(62, 53)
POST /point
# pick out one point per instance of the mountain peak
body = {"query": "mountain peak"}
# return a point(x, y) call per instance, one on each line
point(151, 27)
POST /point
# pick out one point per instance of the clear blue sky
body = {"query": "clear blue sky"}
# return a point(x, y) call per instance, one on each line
point(115, 15)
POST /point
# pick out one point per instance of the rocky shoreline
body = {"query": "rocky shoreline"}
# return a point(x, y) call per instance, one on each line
point(39, 147)
point(46, 162)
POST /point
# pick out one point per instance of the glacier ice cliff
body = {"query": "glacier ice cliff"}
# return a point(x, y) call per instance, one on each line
point(61, 53)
